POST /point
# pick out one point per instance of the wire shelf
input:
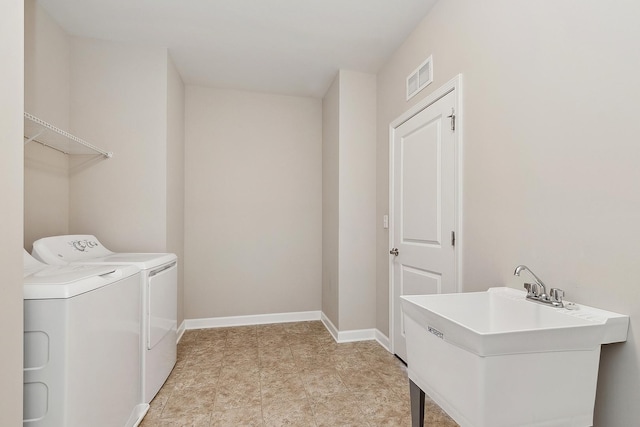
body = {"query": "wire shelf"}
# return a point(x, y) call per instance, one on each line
point(44, 133)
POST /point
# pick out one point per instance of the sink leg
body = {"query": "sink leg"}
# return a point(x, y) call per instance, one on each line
point(417, 405)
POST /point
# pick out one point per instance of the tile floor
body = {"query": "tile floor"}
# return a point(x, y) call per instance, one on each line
point(287, 374)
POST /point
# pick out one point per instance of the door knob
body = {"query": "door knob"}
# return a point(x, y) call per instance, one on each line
point(394, 251)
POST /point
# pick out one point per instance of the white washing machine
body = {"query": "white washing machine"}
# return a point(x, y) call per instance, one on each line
point(159, 286)
point(81, 346)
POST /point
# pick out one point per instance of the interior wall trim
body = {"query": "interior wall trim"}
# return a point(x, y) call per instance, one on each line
point(356, 334)
point(302, 316)
point(330, 326)
point(256, 319)
point(383, 340)
point(180, 331)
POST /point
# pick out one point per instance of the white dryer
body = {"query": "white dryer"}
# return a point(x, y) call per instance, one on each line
point(159, 286)
point(81, 345)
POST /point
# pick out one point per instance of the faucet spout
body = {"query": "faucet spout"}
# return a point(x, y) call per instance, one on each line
point(533, 289)
point(538, 281)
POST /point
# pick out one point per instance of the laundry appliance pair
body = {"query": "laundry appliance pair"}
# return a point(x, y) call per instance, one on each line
point(154, 295)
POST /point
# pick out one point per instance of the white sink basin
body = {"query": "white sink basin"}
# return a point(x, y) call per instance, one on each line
point(502, 321)
point(495, 359)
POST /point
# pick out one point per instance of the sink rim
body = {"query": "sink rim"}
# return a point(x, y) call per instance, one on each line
point(558, 329)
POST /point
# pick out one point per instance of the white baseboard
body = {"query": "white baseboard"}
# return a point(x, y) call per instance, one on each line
point(330, 326)
point(180, 331)
point(383, 340)
point(258, 319)
point(354, 335)
point(302, 316)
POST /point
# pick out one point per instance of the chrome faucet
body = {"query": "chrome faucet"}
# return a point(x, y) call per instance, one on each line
point(537, 291)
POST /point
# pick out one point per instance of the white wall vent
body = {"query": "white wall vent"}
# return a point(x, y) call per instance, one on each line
point(420, 78)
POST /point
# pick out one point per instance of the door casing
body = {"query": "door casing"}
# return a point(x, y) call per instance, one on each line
point(453, 85)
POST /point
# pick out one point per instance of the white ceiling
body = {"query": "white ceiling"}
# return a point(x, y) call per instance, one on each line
point(290, 47)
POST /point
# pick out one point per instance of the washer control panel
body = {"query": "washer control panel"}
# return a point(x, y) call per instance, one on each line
point(64, 249)
point(83, 245)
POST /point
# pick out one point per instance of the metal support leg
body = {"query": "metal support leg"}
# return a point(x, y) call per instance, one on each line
point(417, 405)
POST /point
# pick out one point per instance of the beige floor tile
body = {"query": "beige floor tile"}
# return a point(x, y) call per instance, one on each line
point(183, 353)
point(304, 338)
point(206, 355)
point(242, 330)
point(272, 340)
point(315, 363)
point(189, 402)
point(271, 328)
point(245, 417)
point(323, 382)
point(238, 394)
point(360, 379)
point(275, 386)
point(190, 337)
point(240, 347)
point(232, 374)
point(288, 374)
point(294, 413)
point(381, 404)
point(213, 341)
point(212, 333)
point(151, 419)
point(435, 416)
point(243, 364)
point(400, 421)
point(287, 365)
point(342, 348)
point(347, 361)
point(279, 353)
point(242, 335)
point(370, 346)
point(195, 420)
point(203, 363)
point(195, 375)
point(337, 410)
point(305, 346)
point(298, 327)
point(161, 398)
point(242, 351)
point(241, 358)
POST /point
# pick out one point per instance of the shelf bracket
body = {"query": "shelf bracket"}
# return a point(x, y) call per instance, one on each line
point(33, 138)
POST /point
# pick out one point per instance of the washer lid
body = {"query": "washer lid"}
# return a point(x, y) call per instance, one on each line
point(43, 281)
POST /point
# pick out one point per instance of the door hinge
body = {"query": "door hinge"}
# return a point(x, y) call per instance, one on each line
point(453, 238)
point(452, 116)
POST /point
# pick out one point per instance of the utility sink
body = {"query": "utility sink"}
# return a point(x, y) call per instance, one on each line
point(495, 359)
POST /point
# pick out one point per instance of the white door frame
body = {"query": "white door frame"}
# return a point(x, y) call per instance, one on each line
point(455, 84)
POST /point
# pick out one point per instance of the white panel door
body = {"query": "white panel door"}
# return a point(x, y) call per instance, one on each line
point(423, 209)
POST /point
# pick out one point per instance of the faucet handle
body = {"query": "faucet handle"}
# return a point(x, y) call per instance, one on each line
point(527, 286)
point(556, 294)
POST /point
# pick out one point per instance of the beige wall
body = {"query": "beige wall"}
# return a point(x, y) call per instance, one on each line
point(357, 198)
point(252, 203)
point(550, 156)
point(175, 174)
point(11, 188)
point(119, 103)
point(330, 201)
point(46, 93)
point(349, 194)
